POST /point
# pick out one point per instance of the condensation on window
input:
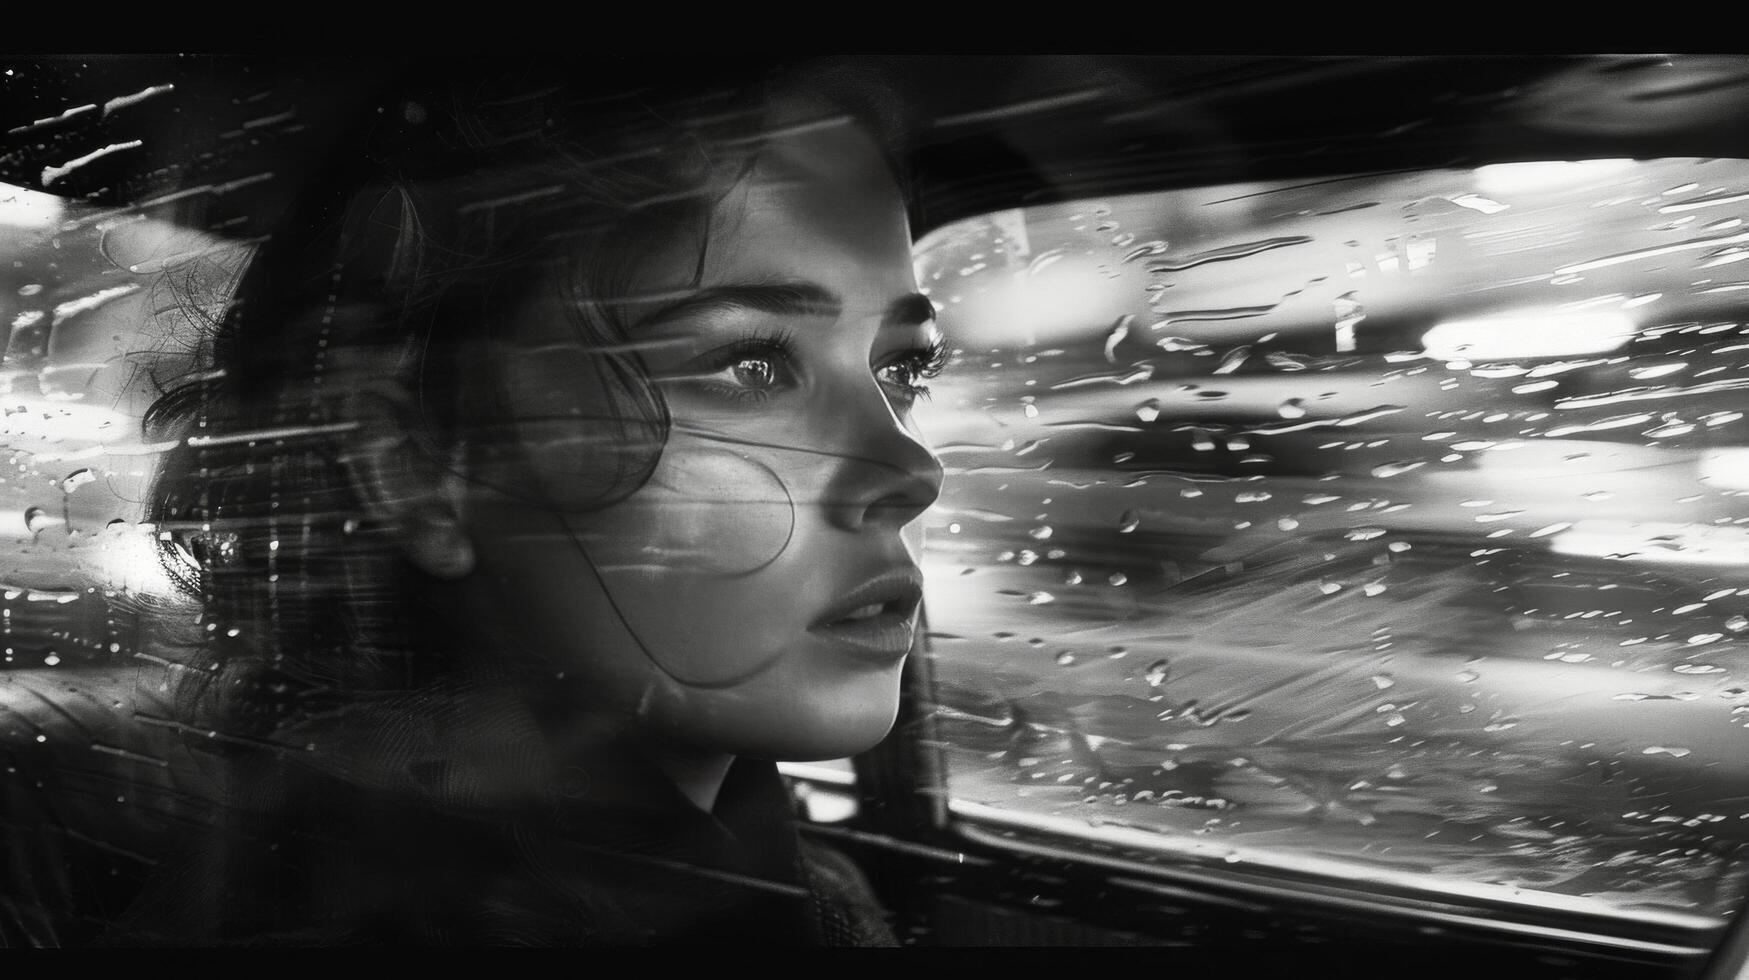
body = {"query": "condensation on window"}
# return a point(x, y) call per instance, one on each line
point(1394, 527)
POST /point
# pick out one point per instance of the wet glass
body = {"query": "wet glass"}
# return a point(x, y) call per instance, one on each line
point(1390, 528)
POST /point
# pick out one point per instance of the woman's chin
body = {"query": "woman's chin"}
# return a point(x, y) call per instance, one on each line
point(830, 732)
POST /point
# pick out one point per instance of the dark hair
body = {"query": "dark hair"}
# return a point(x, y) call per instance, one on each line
point(464, 189)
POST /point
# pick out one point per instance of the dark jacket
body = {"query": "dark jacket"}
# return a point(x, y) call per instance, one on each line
point(282, 852)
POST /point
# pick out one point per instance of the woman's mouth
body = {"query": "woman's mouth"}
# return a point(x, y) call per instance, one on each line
point(878, 619)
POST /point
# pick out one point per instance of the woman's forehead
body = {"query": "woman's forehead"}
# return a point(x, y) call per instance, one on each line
point(820, 204)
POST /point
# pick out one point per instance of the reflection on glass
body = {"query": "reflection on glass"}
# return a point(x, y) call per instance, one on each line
point(1389, 526)
point(98, 308)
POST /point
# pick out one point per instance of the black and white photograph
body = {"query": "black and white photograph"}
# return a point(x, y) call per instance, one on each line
point(1287, 511)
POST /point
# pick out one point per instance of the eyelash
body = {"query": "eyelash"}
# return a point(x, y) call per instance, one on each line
point(924, 363)
point(777, 348)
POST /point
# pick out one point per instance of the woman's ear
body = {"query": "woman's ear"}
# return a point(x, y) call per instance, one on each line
point(419, 494)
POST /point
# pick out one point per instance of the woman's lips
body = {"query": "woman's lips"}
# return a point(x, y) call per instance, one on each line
point(884, 636)
point(878, 618)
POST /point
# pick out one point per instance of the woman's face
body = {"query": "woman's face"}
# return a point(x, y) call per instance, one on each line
point(759, 593)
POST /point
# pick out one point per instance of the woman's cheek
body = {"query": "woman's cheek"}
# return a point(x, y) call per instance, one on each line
point(692, 562)
point(710, 509)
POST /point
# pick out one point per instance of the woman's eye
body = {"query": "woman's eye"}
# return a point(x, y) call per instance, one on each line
point(746, 371)
point(755, 372)
point(904, 374)
point(907, 373)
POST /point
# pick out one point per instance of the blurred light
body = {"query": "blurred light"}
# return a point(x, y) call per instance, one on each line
point(1655, 543)
point(27, 423)
point(127, 558)
point(1055, 301)
point(1476, 202)
point(1552, 334)
point(1646, 253)
point(1507, 179)
point(1703, 203)
point(1726, 468)
point(21, 208)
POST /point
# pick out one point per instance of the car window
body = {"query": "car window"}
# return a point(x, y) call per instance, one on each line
point(1389, 527)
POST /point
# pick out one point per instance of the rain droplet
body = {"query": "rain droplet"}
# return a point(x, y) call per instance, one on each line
point(1374, 588)
point(1286, 523)
point(1065, 658)
point(1292, 408)
point(1329, 588)
point(1043, 261)
point(1664, 750)
point(1118, 578)
point(1737, 624)
point(1149, 410)
point(77, 479)
point(1175, 345)
point(1497, 516)
point(1040, 533)
point(35, 518)
point(1146, 250)
point(1251, 497)
point(1040, 598)
point(1502, 725)
point(51, 660)
point(1383, 681)
point(1468, 676)
point(1119, 331)
point(1363, 533)
point(1397, 468)
point(1030, 411)
point(1233, 359)
point(1157, 673)
point(1530, 387)
point(1656, 371)
point(1128, 522)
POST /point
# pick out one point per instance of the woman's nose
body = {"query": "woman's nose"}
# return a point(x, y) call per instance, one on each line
point(884, 475)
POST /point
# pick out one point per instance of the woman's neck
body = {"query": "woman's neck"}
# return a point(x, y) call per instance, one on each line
point(582, 738)
point(698, 776)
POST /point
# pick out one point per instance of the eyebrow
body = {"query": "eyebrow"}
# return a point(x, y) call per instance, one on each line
point(786, 299)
